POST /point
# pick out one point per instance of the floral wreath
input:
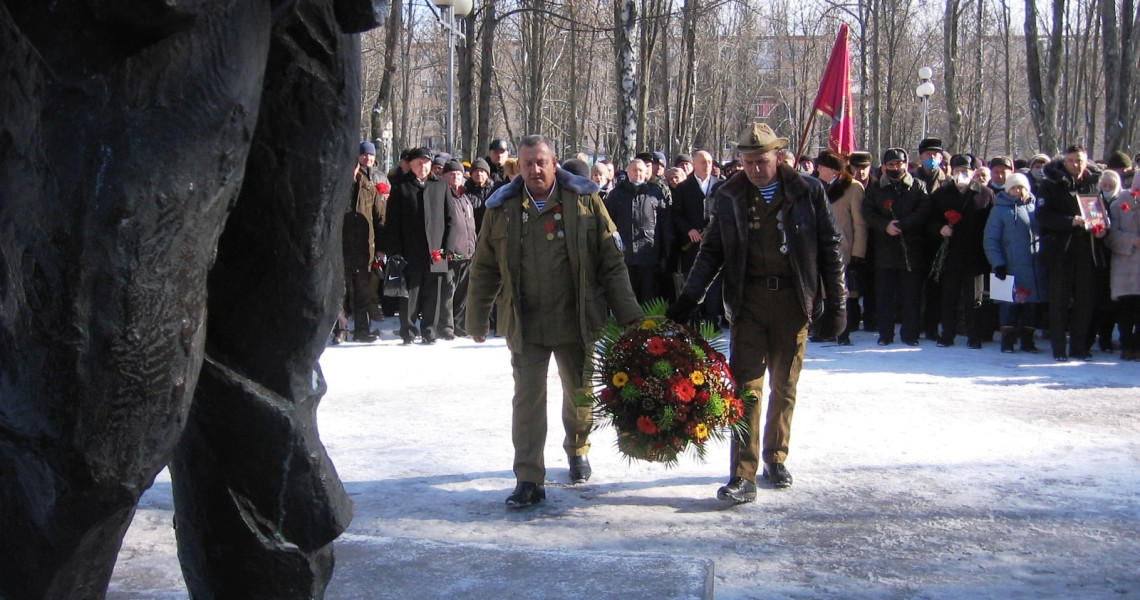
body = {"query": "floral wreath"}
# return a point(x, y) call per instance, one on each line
point(665, 388)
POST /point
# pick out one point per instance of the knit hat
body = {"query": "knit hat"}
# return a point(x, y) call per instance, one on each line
point(660, 158)
point(682, 158)
point(1040, 157)
point(1016, 179)
point(368, 148)
point(1118, 160)
point(480, 163)
point(452, 165)
point(577, 167)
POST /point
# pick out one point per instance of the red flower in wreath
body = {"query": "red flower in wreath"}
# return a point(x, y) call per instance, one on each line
point(684, 390)
point(383, 187)
point(646, 425)
point(953, 217)
point(657, 346)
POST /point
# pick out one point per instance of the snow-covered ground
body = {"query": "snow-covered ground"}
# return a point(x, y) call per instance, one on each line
point(919, 473)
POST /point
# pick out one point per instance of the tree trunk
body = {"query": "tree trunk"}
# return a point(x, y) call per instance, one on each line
point(951, 18)
point(467, 52)
point(1043, 82)
point(382, 107)
point(688, 77)
point(486, 75)
point(625, 21)
point(1007, 39)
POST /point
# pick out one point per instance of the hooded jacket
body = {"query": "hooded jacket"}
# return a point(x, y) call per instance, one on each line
point(813, 245)
point(1013, 239)
point(601, 282)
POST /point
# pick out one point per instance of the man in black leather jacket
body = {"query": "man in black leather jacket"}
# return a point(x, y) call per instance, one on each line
point(774, 237)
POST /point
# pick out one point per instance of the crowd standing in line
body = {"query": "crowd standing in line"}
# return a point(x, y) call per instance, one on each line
point(929, 247)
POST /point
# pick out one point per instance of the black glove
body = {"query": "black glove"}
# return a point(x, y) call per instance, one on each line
point(1001, 271)
point(680, 310)
point(858, 262)
point(832, 323)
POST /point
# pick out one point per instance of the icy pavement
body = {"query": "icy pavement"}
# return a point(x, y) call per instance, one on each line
point(919, 473)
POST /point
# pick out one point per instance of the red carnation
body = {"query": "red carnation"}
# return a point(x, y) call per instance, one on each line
point(646, 425)
point(383, 187)
point(953, 217)
point(1097, 229)
point(889, 203)
point(437, 255)
point(1124, 207)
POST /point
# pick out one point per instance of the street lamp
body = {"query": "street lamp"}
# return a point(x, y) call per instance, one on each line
point(924, 91)
point(449, 9)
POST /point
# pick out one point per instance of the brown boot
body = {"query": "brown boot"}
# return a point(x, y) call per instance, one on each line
point(1027, 343)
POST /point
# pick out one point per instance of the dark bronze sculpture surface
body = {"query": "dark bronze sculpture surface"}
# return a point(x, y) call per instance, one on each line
point(172, 177)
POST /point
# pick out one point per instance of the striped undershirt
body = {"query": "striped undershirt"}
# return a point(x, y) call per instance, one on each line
point(769, 191)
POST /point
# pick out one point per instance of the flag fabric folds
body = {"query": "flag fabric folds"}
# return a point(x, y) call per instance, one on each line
point(834, 97)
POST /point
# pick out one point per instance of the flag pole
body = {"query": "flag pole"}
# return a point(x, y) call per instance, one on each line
point(804, 137)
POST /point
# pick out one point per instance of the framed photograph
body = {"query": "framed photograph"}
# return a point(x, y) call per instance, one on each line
point(1093, 211)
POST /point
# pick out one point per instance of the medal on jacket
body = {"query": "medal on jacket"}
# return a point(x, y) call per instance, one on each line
point(554, 226)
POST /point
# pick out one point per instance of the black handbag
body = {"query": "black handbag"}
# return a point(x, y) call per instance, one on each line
point(395, 285)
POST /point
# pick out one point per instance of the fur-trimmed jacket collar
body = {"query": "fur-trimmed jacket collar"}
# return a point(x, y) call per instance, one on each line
point(582, 186)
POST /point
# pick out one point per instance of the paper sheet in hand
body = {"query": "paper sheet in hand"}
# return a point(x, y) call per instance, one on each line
point(1001, 289)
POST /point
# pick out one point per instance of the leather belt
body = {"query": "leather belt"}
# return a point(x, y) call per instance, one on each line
point(772, 283)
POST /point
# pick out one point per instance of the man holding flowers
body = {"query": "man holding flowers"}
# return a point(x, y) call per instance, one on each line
point(773, 236)
point(549, 254)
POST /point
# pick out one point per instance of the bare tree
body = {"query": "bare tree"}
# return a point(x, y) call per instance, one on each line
point(625, 23)
point(1043, 82)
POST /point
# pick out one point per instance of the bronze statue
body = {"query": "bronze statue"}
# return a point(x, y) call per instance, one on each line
point(172, 177)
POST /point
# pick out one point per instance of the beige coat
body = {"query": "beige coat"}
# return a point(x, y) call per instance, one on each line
point(1125, 277)
point(848, 211)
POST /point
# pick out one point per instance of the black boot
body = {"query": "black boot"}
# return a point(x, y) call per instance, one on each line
point(1008, 339)
point(1027, 343)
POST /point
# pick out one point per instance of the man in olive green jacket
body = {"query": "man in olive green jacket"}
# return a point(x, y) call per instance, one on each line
point(549, 254)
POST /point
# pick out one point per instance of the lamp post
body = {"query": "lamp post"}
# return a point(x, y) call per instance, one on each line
point(448, 11)
point(924, 91)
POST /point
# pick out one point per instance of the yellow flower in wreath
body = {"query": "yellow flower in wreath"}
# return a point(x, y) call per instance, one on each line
point(620, 378)
point(648, 325)
point(701, 431)
point(697, 378)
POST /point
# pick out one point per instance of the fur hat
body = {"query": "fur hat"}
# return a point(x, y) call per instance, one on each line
point(930, 144)
point(419, 152)
point(860, 159)
point(831, 160)
point(961, 160)
point(759, 137)
point(577, 167)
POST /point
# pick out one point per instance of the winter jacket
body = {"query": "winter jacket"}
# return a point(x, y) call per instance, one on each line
point(1057, 205)
point(420, 220)
point(477, 195)
point(813, 245)
point(602, 282)
point(463, 237)
point(846, 197)
point(911, 207)
point(364, 220)
point(1013, 239)
point(965, 252)
point(642, 217)
point(1122, 241)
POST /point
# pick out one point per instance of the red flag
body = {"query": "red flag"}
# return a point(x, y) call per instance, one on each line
point(834, 97)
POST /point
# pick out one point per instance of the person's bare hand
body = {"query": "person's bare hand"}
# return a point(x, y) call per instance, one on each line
point(893, 228)
point(947, 231)
point(694, 236)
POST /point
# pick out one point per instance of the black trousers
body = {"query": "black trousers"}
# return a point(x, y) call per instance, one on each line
point(958, 289)
point(424, 293)
point(1071, 280)
point(455, 292)
point(888, 284)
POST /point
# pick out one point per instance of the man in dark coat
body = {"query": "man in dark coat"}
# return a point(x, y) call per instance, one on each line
point(773, 236)
point(692, 209)
point(896, 210)
point(958, 215)
point(419, 225)
point(641, 214)
point(363, 221)
point(453, 315)
point(1068, 249)
point(497, 155)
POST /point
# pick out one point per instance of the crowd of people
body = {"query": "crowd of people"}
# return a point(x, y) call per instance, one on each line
point(923, 239)
point(777, 248)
